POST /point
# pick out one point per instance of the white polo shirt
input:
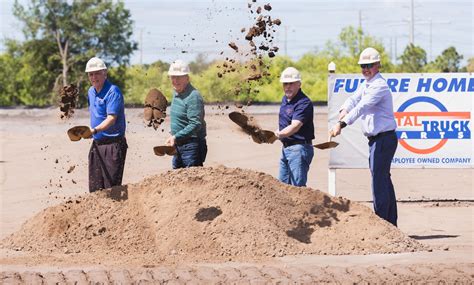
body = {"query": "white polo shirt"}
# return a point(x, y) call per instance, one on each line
point(373, 103)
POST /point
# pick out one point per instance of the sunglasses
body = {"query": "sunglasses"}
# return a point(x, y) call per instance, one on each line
point(368, 65)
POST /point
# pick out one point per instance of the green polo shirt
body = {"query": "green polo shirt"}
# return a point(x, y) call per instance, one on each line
point(187, 114)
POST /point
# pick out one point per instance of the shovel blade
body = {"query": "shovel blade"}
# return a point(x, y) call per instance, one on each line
point(161, 150)
point(78, 132)
point(240, 119)
point(326, 145)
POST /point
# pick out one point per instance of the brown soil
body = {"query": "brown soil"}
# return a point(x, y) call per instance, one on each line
point(67, 100)
point(204, 215)
point(259, 37)
point(154, 111)
point(234, 46)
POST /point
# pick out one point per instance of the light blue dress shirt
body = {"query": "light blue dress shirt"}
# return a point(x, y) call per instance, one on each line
point(373, 103)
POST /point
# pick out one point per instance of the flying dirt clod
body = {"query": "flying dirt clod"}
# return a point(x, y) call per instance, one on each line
point(67, 100)
point(154, 112)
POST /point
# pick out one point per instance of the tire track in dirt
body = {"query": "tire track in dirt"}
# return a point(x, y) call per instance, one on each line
point(254, 274)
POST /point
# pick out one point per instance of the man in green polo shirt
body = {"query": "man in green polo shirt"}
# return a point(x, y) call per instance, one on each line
point(188, 128)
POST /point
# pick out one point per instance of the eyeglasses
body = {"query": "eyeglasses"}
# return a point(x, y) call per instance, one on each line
point(368, 65)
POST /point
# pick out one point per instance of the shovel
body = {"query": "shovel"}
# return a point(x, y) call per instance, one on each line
point(161, 150)
point(328, 144)
point(264, 136)
point(79, 132)
point(249, 126)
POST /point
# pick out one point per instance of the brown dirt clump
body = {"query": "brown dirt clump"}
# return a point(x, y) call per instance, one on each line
point(205, 214)
point(154, 111)
point(67, 100)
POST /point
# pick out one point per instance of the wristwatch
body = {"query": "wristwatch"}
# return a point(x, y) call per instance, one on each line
point(94, 131)
point(342, 124)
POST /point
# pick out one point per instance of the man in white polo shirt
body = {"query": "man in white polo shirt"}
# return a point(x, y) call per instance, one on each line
point(373, 103)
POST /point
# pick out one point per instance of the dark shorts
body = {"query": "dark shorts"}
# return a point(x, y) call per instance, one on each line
point(191, 153)
point(106, 163)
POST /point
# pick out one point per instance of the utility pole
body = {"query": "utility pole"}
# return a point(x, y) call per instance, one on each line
point(431, 22)
point(395, 61)
point(360, 30)
point(431, 39)
point(412, 23)
point(141, 46)
point(391, 49)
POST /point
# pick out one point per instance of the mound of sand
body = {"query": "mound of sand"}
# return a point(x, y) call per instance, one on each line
point(206, 214)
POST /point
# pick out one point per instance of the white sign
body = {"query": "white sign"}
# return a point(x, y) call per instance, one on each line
point(433, 113)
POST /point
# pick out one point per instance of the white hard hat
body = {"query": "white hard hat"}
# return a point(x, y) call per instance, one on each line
point(178, 68)
point(369, 55)
point(95, 64)
point(290, 74)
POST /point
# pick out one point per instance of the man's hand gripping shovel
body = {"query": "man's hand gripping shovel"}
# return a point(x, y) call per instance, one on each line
point(328, 144)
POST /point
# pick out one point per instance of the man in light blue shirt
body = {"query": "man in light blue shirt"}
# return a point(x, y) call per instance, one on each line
point(372, 102)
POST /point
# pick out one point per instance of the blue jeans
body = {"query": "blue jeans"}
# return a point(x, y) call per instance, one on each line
point(382, 150)
point(294, 164)
point(192, 153)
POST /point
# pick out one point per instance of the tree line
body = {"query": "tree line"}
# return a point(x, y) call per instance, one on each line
point(60, 36)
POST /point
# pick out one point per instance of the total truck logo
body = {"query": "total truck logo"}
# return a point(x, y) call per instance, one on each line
point(425, 132)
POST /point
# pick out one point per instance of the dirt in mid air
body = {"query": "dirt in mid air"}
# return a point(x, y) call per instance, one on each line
point(251, 63)
point(67, 100)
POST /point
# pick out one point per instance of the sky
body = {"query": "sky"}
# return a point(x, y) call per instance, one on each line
point(170, 29)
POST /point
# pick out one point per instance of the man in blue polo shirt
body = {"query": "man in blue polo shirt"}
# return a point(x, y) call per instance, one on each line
point(373, 103)
point(296, 130)
point(107, 115)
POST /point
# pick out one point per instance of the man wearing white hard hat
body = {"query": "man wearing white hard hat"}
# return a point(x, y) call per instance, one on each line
point(295, 130)
point(373, 103)
point(107, 118)
point(188, 128)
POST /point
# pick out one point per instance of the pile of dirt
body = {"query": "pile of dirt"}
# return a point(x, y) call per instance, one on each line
point(206, 214)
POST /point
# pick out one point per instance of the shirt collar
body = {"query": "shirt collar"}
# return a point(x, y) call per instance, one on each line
point(298, 95)
point(186, 90)
point(376, 76)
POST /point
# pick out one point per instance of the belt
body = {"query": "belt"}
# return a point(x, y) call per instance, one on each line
point(290, 143)
point(109, 140)
point(186, 141)
point(379, 135)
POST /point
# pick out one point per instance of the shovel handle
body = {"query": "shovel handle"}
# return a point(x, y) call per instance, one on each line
point(330, 136)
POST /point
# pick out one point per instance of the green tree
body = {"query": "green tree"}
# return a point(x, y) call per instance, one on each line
point(200, 63)
point(27, 73)
point(470, 65)
point(345, 52)
point(413, 59)
point(80, 30)
point(449, 60)
point(141, 78)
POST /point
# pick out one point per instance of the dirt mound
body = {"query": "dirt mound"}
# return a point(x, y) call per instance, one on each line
point(206, 214)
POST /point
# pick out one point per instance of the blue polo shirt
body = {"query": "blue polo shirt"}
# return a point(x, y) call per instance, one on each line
point(109, 101)
point(299, 108)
